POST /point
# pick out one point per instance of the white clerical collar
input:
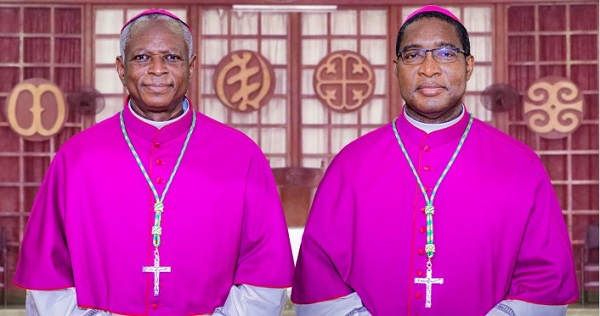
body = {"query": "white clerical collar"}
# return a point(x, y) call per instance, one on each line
point(432, 127)
point(159, 125)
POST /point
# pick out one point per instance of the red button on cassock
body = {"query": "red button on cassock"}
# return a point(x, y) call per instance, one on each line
point(154, 306)
point(418, 295)
point(156, 145)
point(421, 252)
point(419, 273)
point(160, 180)
point(427, 168)
point(426, 148)
point(159, 162)
point(422, 229)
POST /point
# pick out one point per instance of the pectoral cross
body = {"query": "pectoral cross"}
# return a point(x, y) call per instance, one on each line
point(156, 269)
point(428, 281)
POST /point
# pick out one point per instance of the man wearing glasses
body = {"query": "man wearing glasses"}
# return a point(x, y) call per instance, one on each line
point(436, 213)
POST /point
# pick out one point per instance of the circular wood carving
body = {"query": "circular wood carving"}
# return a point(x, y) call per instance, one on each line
point(244, 81)
point(36, 109)
point(553, 107)
point(344, 81)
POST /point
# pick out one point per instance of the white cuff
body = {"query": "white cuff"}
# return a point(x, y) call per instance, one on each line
point(349, 305)
point(248, 300)
point(522, 308)
point(56, 302)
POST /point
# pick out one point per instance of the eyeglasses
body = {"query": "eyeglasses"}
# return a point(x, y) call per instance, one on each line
point(441, 55)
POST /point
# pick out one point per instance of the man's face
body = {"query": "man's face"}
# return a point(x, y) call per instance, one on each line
point(156, 69)
point(432, 90)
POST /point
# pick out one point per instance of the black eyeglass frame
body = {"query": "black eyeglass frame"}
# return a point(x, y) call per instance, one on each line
point(433, 51)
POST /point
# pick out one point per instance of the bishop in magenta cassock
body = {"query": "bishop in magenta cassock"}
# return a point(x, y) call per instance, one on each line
point(158, 210)
point(436, 213)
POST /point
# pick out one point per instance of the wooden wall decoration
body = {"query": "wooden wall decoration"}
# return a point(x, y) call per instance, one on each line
point(553, 107)
point(344, 81)
point(244, 81)
point(36, 109)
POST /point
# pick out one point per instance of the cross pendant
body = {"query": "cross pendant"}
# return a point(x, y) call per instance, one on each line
point(156, 269)
point(428, 281)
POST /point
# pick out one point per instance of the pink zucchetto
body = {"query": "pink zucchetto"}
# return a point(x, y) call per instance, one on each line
point(433, 8)
point(154, 11)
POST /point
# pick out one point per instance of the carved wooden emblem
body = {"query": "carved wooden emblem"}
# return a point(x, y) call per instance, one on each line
point(36, 109)
point(244, 81)
point(553, 107)
point(344, 81)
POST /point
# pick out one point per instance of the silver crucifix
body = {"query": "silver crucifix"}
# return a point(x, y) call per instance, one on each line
point(156, 269)
point(428, 281)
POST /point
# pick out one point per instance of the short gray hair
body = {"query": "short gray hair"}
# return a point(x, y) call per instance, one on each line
point(185, 31)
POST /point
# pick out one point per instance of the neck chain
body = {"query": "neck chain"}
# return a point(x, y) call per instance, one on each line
point(429, 209)
point(158, 205)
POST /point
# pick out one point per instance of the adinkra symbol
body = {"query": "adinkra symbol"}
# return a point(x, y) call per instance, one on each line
point(344, 81)
point(250, 74)
point(36, 127)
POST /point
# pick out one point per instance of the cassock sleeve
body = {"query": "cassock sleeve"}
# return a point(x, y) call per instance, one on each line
point(265, 257)
point(44, 262)
point(544, 271)
point(325, 254)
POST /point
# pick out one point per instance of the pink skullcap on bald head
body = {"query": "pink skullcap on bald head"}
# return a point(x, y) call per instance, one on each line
point(433, 8)
point(154, 11)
